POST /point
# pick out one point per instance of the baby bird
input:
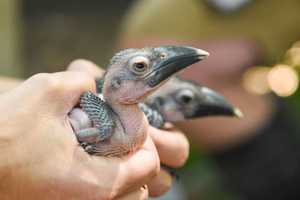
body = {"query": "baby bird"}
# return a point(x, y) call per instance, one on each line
point(116, 126)
point(180, 100)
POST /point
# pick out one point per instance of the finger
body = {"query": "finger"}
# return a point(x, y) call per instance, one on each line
point(70, 87)
point(132, 170)
point(140, 194)
point(160, 184)
point(139, 168)
point(82, 65)
point(172, 145)
point(7, 84)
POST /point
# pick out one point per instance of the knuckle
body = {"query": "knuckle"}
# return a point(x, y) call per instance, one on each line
point(85, 66)
point(39, 77)
point(77, 64)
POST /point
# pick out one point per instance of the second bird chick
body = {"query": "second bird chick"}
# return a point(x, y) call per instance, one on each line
point(180, 100)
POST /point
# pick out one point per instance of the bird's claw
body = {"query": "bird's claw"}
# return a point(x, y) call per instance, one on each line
point(87, 147)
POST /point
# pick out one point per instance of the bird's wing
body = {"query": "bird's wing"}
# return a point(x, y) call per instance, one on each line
point(155, 119)
point(99, 113)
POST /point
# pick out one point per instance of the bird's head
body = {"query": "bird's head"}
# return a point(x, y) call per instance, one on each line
point(134, 73)
point(179, 100)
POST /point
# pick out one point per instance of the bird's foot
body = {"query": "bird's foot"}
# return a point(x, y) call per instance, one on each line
point(90, 135)
point(87, 147)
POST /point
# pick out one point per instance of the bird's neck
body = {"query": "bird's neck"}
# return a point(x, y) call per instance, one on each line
point(133, 120)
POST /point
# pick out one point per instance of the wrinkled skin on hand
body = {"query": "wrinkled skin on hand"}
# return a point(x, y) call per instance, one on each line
point(41, 158)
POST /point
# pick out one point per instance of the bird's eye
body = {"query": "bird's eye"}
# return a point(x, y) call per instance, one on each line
point(139, 65)
point(185, 97)
point(163, 56)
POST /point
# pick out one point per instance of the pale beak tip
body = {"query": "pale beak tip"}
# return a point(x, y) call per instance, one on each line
point(202, 53)
point(238, 113)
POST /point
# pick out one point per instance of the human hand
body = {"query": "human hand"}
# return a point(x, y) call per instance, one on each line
point(171, 144)
point(8, 83)
point(173, 150)
point(41, 158)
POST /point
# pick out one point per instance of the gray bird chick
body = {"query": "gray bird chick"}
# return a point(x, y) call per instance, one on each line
point(179, 100)
point(116, 126)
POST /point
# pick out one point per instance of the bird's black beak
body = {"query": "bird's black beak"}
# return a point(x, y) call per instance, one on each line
point(214, 104)
point(177, 58)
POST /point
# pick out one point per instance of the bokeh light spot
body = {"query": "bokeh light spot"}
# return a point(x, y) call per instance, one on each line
point(255, 80)
point(283, 80)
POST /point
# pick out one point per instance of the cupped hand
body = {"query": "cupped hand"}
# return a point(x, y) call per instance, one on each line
point(41, 158)
point(171, 144)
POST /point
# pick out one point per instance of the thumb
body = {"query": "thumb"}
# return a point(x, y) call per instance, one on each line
point(55, 93)
point(89, 67)
point(71, 85)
